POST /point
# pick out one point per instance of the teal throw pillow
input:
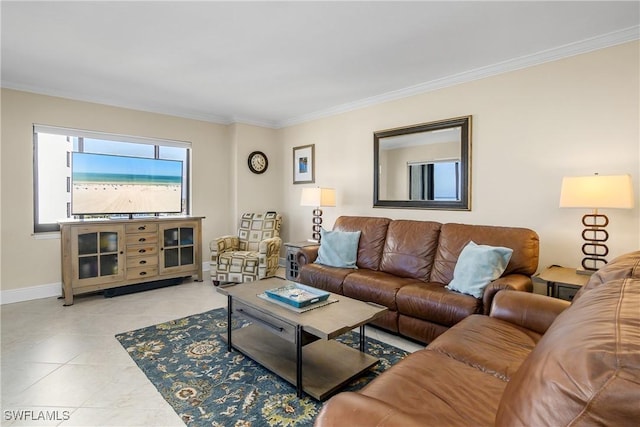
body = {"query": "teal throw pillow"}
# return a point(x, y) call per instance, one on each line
point(338, 248)
point(477, 266)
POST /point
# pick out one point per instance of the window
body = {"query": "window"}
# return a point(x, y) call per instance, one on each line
point(52, 148)
point(434, 181)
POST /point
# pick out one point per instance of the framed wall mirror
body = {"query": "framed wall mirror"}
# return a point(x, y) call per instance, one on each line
point(425, 166)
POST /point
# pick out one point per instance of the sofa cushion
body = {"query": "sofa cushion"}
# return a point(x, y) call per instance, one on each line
point(435, 303)
point(374, 232)
point(586, 368)
point(338, 248)
point(454, 237)
point(410, 248)
point(477, 266)
point(428, 384)
point(322, 277)
point(374, 286)
point(490, 345)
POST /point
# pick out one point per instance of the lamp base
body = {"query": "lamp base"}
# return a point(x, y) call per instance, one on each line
point(594, 249)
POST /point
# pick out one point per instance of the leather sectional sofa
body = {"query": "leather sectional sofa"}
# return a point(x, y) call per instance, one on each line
point(406, 264)
point(535, 361)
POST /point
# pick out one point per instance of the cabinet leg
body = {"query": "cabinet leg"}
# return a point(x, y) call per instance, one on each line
point(67, 294)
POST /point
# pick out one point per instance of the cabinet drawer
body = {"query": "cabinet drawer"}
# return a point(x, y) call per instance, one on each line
point(140, 250)
point(141, 227)
point(142, 272)
point(264, 320)
point(139, 238)
point(142, 261)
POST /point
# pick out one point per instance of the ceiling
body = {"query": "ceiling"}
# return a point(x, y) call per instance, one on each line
point(279, 63)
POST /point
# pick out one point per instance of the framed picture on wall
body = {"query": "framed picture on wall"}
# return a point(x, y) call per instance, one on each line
point(303, 165)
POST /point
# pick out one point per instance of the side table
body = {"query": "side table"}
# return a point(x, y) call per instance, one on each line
point(291, 264)
point(563, 282)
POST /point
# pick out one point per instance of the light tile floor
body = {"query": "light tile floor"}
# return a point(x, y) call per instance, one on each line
point(64, 363)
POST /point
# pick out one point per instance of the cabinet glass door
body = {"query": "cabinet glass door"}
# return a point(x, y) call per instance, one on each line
point(178, 246)
point(97, 254)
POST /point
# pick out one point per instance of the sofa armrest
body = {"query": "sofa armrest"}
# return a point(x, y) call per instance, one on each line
point(515, 282)
point(354, 409)
point(307, 255)
point(532, 311)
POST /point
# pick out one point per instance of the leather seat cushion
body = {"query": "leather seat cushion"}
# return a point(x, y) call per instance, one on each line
point(322, 277)
point(433, 302)
point(488, 344)
point(374, 286)
point(427, 384)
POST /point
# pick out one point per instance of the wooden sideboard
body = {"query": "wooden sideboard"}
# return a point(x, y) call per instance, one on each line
point(104, 254)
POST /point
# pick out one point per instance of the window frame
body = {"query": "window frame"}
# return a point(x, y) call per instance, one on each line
point(39, 228)
point(427, 184)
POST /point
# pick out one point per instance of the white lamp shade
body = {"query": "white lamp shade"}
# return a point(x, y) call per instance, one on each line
point(318, 197)
point(597, 191)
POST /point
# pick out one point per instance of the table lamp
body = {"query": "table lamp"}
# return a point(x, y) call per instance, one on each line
point(596, 191)
point(317, 197)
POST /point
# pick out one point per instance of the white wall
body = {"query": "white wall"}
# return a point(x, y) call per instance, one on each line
point(531, 127)
point(256, 192)
point(222, 185)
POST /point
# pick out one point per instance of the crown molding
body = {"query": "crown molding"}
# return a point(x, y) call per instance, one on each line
point(584, 46)
point(255, 122)
point(210, 118)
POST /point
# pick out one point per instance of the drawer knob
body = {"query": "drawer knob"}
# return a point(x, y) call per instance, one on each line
point(142, 251)
point(142, 227)
point(143, 273)
point(143, 262)
point(142, 239)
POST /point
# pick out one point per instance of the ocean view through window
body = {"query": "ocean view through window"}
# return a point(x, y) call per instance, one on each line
point(53, 149)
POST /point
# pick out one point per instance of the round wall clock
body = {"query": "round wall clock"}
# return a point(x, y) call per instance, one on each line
point(258, 162)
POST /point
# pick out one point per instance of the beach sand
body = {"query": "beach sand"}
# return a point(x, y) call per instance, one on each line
point(125, 198)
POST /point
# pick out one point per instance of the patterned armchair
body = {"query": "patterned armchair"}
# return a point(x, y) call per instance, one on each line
point(251, 255)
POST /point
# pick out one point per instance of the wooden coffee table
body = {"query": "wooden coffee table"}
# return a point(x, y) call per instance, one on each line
point(300, 347)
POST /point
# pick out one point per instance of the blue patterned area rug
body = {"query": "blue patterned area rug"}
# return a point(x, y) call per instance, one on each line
point(207, 386)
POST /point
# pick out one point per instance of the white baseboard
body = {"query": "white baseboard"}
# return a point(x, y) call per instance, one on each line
point(43, 291)
point(33, 292)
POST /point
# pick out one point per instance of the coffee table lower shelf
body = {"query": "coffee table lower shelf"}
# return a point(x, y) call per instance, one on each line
point(327, 365)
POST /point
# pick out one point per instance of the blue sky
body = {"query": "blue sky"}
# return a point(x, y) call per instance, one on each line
point(99, 163)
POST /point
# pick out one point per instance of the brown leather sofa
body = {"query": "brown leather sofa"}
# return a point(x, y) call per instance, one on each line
point(405, 266)
point(532, 362)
